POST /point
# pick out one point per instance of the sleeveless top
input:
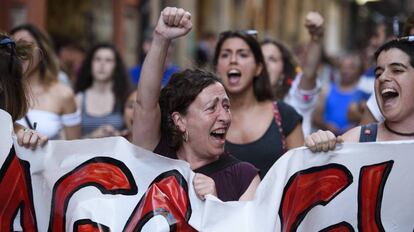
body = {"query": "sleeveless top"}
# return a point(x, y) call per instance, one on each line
point(90, 123)
point(49, 123)
point(368, 133)
point(231, 176)
point(264, 152)
point(337, 105)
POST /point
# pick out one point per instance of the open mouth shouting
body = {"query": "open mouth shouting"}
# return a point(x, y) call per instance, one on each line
point(219, 135)
point(389, 96)
point(234, 76)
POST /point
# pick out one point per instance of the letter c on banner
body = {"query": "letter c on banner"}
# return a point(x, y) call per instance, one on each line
point(109, 175)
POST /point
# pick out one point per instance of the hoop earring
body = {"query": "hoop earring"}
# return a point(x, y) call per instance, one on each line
point(185, 136)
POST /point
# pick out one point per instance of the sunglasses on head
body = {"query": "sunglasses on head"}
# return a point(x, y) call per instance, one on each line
point(7, 42)
point(406, 38)
point(250, 32)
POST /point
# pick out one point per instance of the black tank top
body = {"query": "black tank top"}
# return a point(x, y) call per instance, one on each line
point(368, 133)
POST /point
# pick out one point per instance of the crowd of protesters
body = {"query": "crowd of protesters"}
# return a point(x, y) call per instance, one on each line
point(260, 101)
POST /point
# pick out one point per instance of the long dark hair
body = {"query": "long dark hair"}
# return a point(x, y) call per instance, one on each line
point(261, 83)
point(182, 89)
point(289, 69)
point(13, 95)
point(120, 77)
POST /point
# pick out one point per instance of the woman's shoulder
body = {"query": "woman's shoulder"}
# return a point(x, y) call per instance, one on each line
point(241, 167)
point(352, 135)
point(64, 97)
point(287, 111)
point(61, 92)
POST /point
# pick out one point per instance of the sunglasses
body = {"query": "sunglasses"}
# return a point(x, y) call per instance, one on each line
point(7, 42)
point(250, 32)
point(406, 38)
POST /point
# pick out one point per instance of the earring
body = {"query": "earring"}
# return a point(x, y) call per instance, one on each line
point(281, 79)
point(185, 136)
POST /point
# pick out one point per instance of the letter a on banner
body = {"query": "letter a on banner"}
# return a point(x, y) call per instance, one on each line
point(166, 196)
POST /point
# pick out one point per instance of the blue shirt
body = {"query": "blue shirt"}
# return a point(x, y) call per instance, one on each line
point(337, 105)
point(135, 73)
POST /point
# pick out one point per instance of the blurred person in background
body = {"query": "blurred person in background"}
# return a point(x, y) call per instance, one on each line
point(129, 115)
point(299, 89)
point(331, 112)
point(102, 88)
point(205, 50)
point(169, 69)
point(52, 105)
point(71, 56)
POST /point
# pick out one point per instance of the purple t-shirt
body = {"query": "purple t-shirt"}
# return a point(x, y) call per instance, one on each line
point(231, 176)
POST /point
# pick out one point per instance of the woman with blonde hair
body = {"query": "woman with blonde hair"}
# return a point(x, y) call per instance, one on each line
point(52, 104)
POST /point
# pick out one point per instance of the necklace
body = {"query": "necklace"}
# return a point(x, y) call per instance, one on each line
point(396, 132)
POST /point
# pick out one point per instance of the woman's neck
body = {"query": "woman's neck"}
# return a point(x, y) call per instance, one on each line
point(34, 79)
point(243, 101)
point(404, 129)
point(187, 154)
point(101, 86)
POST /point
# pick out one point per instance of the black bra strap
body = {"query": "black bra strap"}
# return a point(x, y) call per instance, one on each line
point(29, 124)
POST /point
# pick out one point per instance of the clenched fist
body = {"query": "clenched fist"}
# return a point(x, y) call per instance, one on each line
point(204, 185)
point(173, 23)
point(314, 24)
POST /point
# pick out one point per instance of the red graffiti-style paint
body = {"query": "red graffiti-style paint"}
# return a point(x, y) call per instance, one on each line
point(16, 194)
point(340, 227)
point(110, 176)
point(308, 188)
point(372, 180)
point(86, 225)
point(166, 196)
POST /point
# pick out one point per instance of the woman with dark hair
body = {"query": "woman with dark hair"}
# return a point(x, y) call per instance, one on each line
point(262, 130)
point(189, 118)
point(13, 95)
point(297, 87)
point(394, 91)
point(52, 105)
point(102, 88)
point(281, 65)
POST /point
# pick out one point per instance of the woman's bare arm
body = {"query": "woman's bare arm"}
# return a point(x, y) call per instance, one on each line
point(173, 23)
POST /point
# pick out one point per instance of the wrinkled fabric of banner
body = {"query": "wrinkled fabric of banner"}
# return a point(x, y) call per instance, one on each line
point(111, 185)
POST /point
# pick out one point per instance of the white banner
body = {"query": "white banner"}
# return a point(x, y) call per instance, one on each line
point(111, 185)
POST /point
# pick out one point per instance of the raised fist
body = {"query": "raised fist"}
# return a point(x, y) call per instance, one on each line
point(314, 24)
point(173, 23)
